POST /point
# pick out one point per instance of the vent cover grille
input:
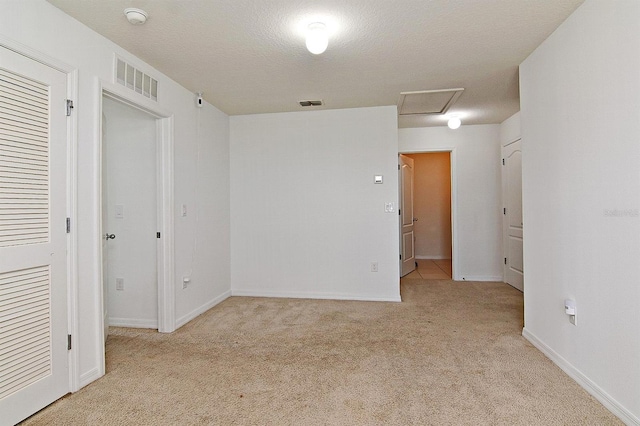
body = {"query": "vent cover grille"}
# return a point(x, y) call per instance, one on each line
point(136, 80)
point(427, 101)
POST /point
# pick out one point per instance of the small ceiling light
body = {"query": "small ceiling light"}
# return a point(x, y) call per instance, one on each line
point(317, 38)
point(136, 16)
point(454, 123)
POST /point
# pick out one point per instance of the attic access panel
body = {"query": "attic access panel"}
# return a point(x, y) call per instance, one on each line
point(427, 101)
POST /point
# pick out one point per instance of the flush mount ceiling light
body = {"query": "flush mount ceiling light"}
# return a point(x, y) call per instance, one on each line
point(317, 38)
point(454, 122)
point(136, 16)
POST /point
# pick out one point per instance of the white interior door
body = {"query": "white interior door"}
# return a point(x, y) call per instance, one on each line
point(512, 175)
point(33, 243)
point(105, 240)
point(130, 214)
point(407, 238)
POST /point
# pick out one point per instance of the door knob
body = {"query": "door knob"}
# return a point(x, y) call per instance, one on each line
point(109, 236)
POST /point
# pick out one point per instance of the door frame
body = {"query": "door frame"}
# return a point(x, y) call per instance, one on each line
point(71, 205)
point(164, 182)
point(455, 275)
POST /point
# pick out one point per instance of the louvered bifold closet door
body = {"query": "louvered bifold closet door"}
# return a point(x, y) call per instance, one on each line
point(25, 340)
point(24, 161)
point(33, 243)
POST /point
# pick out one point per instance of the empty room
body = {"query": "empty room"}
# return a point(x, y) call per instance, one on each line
point(319, 212)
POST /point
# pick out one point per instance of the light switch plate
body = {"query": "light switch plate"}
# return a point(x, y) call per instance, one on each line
point(119, 211)
point(377, 179)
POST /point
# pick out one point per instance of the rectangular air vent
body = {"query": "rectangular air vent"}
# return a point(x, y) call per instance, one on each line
point(427, 101)
point(310, 103)
point(136, 80)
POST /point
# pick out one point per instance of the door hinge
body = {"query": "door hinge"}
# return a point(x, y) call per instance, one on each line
point(68, 342)
point(69, 107)
point(503, 161)
point(505, 260)
point(399, 212)
point(400, 256)
point(504, 210)
point(398, 166)
point(157, 235)
point(68, 225)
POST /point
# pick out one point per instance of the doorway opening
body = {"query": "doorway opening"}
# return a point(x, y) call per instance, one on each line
point(129, 216)
point(135, 210)
point(433, 204)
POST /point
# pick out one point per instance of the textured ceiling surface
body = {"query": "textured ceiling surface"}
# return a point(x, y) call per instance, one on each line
point(249, 56)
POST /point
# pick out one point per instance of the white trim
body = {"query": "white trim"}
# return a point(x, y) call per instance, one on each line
point(453, 157)
point(432, 258)
point(311, 295)
point(202, 309)
point(587, 384)
point(90, 376)
point(133, 323)
point(36, 55)
point(72, 255)
point(72, 202)
point(166, 289)
point(483, 278)
point(166, 294)
point(100, 339)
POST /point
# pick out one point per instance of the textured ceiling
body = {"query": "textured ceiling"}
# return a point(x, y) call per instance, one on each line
point(249, 56)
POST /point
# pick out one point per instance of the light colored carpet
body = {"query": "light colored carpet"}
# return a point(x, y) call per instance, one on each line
point(450, 354)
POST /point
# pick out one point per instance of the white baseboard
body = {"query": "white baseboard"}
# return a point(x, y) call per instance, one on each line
point(587, 384)
point(493, 278)
point(201, 309)
point(312, 295)
point(133, 323)
point(88, 377)
point(432, 257)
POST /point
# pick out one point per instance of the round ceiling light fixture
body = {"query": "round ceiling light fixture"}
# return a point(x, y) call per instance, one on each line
point(317, 38)
point(454, 122)
point(136, 16)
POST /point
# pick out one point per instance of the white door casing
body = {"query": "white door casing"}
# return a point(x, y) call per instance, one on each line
point(407, 238)
point(34, 367)
point(165, 219)
point(513, 225)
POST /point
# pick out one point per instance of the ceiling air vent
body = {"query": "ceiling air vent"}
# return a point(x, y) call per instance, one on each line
point(310, 103)
point(427, 101)
point(136, 80)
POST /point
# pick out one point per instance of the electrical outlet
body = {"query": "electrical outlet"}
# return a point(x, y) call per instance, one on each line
point(374, 266)
point(185, 282)
point(119, 284)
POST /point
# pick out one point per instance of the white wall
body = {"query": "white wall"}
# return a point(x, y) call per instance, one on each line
point(477, 186)
point(580, 103)
point(201, 155)
point(510, 129)
point(432, 205)
point(306, 218)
